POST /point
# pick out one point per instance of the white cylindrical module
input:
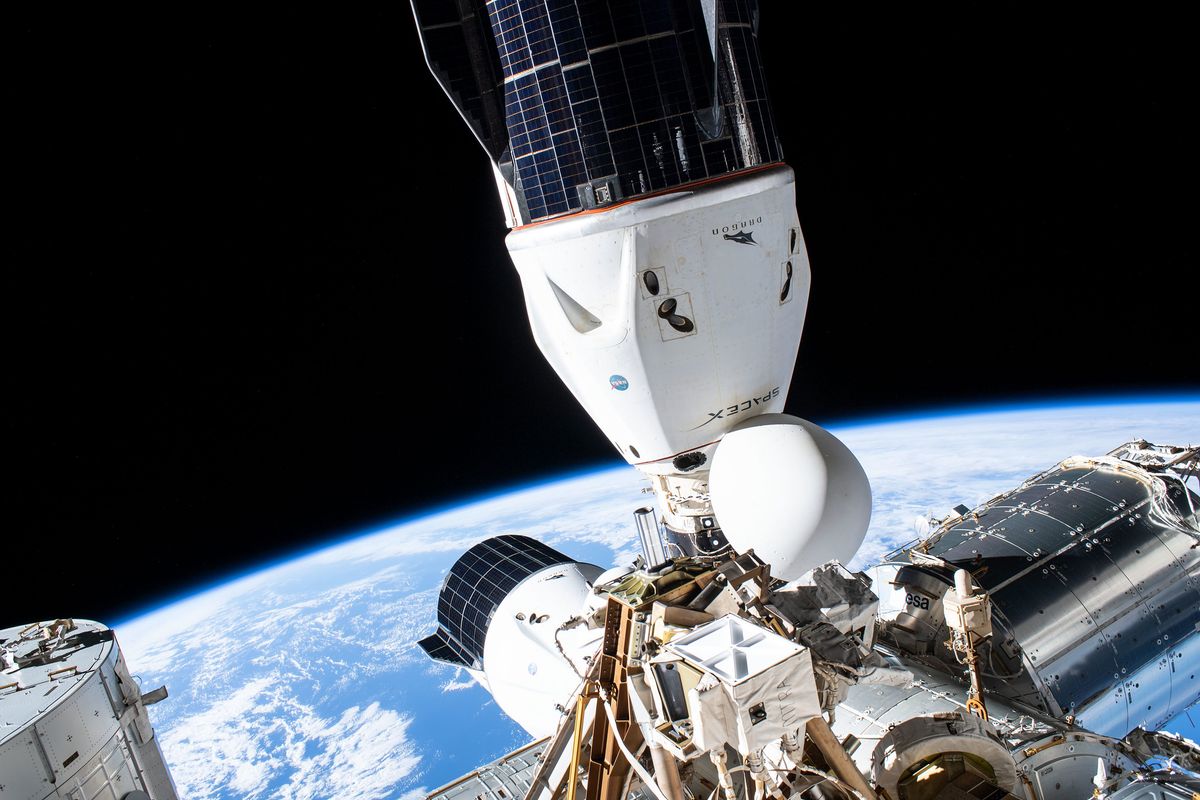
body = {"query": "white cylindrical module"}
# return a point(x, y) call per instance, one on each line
point(653, 548)
point(73, 722)
point(511, 612)
point(1104, 543)
point(534, 660)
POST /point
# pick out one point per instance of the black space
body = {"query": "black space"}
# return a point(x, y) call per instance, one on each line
point(229, 233)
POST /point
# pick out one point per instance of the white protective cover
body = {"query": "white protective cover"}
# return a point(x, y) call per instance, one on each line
point(792, 492)
point(749, 672)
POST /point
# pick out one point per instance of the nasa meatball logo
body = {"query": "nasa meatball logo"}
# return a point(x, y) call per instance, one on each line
point(738, 231)
point(618, 382)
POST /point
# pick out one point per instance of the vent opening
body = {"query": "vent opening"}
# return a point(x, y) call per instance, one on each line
point(651, 281)
point(666, 310)
point(689, 461)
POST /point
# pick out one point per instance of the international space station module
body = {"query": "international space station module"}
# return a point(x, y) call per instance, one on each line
point(73, 721)
point(1030, 647)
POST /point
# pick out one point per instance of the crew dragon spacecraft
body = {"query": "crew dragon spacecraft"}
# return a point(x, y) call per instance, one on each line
point(1028, 648)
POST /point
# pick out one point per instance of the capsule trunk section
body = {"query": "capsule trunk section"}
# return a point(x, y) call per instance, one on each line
point(585, 105)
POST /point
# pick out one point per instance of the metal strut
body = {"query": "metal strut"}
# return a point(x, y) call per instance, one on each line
point(607, 766)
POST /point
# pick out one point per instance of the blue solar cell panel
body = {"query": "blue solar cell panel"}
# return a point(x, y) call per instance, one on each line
point(509, 31)
point(475, 586)
point(553, 94)
point(629, 89)
point(568, 31)
point(531, 187)
point(536, 20)
point(612, 89)
point(581, 86)
point(570, 160)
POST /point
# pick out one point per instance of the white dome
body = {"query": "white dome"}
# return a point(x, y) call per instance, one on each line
point(791, 491)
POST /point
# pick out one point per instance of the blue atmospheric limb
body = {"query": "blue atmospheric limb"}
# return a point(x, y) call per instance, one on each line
point(279, 673)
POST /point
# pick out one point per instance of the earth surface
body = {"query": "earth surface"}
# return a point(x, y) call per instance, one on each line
point(303, 679)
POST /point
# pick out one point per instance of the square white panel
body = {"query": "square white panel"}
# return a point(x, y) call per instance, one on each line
point(733, 649)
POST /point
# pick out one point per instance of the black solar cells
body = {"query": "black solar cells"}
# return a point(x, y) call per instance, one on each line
point(632, 96)
point(475, 586)
point(460, 50)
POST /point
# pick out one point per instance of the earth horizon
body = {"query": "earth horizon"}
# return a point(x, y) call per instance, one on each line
point(302, 680)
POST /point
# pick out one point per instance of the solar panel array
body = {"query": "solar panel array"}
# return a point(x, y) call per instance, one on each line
point(610, 100)
point(459, 48)
point(604, 100)
point(475, 587)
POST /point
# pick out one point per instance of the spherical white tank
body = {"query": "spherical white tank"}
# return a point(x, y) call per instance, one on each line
point(791, 491)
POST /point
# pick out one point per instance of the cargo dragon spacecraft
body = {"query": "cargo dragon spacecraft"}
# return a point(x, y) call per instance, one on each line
point(1042, 637)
